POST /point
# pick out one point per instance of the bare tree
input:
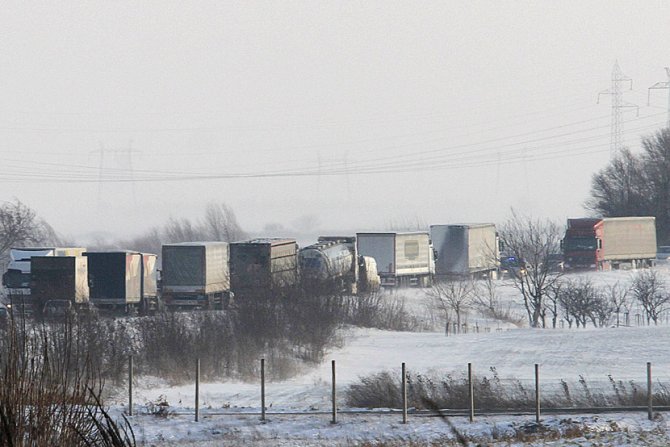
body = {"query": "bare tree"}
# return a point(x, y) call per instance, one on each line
point(220, 224)
point(181, 230)
point(565, 302)
point(552, 302)
point(486, 296)
point(532, 242)
point(582, 302)
point(452, 296)
point(656, 161)
point(649, 290)
point(618, 297)
point(637, 184)
point(620, 189)
point(602, 309)
point(20, 225)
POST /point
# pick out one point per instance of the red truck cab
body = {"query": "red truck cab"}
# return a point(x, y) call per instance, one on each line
point(581, 245)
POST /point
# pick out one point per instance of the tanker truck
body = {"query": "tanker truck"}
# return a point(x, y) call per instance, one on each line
point(333, 264)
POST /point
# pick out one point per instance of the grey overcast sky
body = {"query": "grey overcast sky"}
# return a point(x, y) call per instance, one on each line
point(340, 115)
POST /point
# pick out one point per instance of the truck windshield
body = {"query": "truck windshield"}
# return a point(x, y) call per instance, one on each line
point(580, 244)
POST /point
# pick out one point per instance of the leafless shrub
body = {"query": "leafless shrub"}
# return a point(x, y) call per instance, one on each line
point(452, 296)
point(380, 311)
point(218, 223)
point(619, 298)
point(582, 302)
point(286, 330)
point(50, 388)
point(20, 225)
point(382, 390)
point(649, 289)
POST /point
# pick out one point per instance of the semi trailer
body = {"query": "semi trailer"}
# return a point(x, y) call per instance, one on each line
point(195, 274)
point(402, 258)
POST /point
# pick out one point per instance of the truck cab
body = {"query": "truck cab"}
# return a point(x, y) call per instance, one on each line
point(580, 244)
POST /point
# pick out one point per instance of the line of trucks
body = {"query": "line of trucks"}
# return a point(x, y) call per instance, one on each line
point(209, 274)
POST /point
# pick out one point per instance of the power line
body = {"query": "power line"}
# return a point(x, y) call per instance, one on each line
point(447, 161)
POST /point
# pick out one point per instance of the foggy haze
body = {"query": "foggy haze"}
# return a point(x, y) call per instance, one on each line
point(328, 115)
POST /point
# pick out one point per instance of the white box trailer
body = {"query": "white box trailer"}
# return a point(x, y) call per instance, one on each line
point(403, 259)
point(465, 249)
point(195, 274)
point(626, 240)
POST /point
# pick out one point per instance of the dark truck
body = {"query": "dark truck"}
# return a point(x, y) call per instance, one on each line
point(195, 275)
point(123, 280)
point(266, 264)
point(17, 278)
point(58, 284)
point(609, 243)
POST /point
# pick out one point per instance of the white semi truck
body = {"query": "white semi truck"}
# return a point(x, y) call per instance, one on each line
point(465, 249)
point(403, 258)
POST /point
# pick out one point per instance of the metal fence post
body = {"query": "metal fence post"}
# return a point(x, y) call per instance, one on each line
point(197, 389)
point(471, 393)
point(404, 394)
point(537, 393)
point(650, 395)
point(130, 385)
point(262, 389)
point(334, 397)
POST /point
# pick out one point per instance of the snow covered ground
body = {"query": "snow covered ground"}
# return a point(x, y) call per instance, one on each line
point(562, 354)
point(606, 430)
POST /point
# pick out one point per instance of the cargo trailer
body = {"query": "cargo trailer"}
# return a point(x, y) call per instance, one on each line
point(58, 283)
point(123, 280)
point(265, 264)
point(195, 274)
point(466, 249)
point(17, 278)
point(403, 259)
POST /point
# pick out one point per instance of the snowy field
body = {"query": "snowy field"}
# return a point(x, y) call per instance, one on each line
point(561, 353)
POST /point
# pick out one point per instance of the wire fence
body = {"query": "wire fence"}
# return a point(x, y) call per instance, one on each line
point(471, 396)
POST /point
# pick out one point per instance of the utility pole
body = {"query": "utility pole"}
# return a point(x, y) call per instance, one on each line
point(618, 80)
point(662, 85)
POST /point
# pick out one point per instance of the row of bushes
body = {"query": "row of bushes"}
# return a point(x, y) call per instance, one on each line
point(288, 331)
point(383, 390)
